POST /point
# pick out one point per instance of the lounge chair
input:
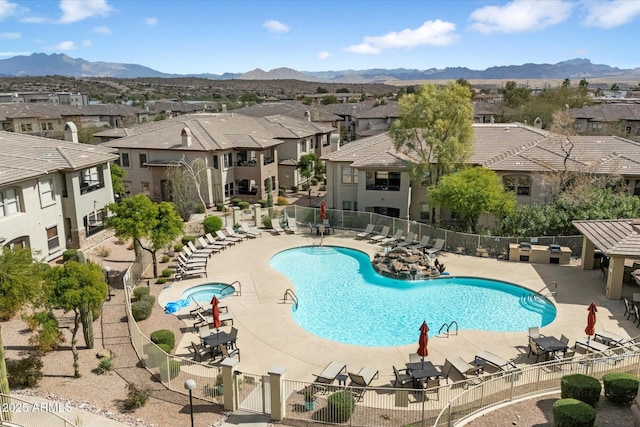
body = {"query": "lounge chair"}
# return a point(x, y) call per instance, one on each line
point(195, 250)
point(215, 241)
point(292, 226)
point(463, 369)
point(408, 240)
point(225, 238)
point(402, 379)
point(437, 247)
point(188, 262)
point(231, 233)
point(494, 360)
point(275, 226)
point(363, 380)
point(330, 372)
point(182, 273)
point(383, 235)
point(250, 231)
point(205, 244)
point(366, 233)
point(190, 254)
point(393, 240)
point(423, 243)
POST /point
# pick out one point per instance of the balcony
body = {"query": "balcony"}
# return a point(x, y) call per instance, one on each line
point(375, 187)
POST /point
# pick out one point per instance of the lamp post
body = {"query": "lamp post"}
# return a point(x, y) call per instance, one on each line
point(107, 270)
point(309, 197)
point(190, 385)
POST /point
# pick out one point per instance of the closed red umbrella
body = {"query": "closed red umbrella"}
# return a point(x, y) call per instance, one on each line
point(591, 321)
point(215, 311)
point(323, 210)
point(423, 341)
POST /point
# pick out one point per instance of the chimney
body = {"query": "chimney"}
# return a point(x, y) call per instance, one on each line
point(186, 137)
point(70, 132)
point(307, 114)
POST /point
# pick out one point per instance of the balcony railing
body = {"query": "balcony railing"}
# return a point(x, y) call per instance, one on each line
point(375, 187)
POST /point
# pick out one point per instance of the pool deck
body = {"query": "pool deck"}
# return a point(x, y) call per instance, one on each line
point(268, 336)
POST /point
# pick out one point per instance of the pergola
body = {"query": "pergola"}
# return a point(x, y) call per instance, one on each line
point(617, 239)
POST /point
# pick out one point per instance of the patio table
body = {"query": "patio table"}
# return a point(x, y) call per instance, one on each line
point(550, 345)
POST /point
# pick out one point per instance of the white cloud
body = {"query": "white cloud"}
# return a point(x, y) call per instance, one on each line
point(102, 30)
point(276, 26)
point(151, 21)
point(10, 36)
point(15, 53)
point(434, 33)
point(8, 9)
point(74, 10)
point(66, 45)
point(324, 55)
point(610, 14)
point(519, 16)
point(86, 43)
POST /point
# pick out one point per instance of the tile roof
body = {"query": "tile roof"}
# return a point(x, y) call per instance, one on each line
point(382, 111)
point(372, 152)
point(607, 112)
point(619, 237)
point(290, 109)
point(25, 156)
point(9, 111)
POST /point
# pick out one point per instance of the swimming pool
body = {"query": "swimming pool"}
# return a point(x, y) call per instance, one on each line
point(341, 298)
point(204, 293)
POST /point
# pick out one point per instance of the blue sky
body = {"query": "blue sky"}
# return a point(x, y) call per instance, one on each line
point(217, 36)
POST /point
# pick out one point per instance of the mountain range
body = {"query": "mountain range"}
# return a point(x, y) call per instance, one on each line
point(41, 64)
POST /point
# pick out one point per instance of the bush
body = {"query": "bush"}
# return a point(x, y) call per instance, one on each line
point(341, 405)
point(154, 355)
point(243, 205)
point(581, 387)
point(212, 224)
point(161, 280)
point(200, 208)
point(141, 310)
point(573, 413)
point(294, 188)
point(165, 347)
point(69, 255)
point(24, 372)
point(165, 259)
point(282, 191)
point(235, 201)
point(105, 365)
point(282, 201)
point(164, 336)
point(140, 292)
point(263, 203)
point(80, 257)
point(178, 247)
point(186, 239)
point(620, 388)
point(167, 272)
point(266, 221)
point(136, 397)
point(314, 181)
point(220, 207)
point(305, 186)
point(169, 371)
point(322, 188)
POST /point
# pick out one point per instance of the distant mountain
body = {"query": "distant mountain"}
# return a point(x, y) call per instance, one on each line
point(40, 64)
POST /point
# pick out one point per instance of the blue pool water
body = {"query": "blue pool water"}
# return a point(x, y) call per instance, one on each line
point(342, 298)
point(204, 293)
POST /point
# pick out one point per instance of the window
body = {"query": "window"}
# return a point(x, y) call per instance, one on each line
point(47, 126)
point(228, 189)
point(215, 162)
point(143, 159)
point(346, 205)
point(519, 184)
point(383, 181)
point(124, 160)
point(636, 188)
point(26, 127)
point(226, 158)
point(425, 212)
point(303, 146)
point(53, 242)
point(9, 202)
point(347, 177)
point(91, 179)
point(145, 188)
point(46, 192)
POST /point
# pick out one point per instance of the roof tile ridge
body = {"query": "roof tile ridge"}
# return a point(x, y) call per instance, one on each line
point(64, 156)
point(513, 151)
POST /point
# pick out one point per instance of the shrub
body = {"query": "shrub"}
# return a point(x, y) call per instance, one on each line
point(164, 336)
point(266, 220)
point(573, 413)
point(136, 397)
point(235, 201)
point(243, 205)
point(322, 188)
point(141, 310)
point(24, 372)
point(212, 224)
point(69, 255)
point(282, 191)
point(169, 371)
point(165, 259)
point(140, 292)
point(104, 365)
point(200, 208)
point(167, 272)
point(341, 405)
point(186, 239)
point(80, 257)
point(165, 347)
point(620, 388)
point(154, 355)
point(178, 247)
point(220, 207)
point(305, 186)
point(161, 280)
point(294, 188)
point(263, 203)
point(581, 387)
point(314, 181)
point(282, 201)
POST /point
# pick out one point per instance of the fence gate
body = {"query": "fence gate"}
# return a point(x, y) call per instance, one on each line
point(253, 393)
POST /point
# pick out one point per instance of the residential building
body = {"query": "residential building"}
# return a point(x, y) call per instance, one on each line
point(52, 193)
point(239, 152)
point(606, 118)
point(370, 175)
point(56, 98)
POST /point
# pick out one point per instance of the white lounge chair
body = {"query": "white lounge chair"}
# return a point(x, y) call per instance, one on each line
point(409, 240)
point(331, 372)
point(383, 235)
point(275, 226)
point(225, 238)
point(232, 233)
point(366, 233)
point(437, 247)
point(292, 226)
point(393, 239)
point(423, 243)
point(250, 231)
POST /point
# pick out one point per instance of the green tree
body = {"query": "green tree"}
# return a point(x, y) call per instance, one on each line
point(139, 218)
point(321, 89)
point(20, 280)
point(514, 96)
point(566, 83)
point(306, 165)
point(471, 193)
point(117, 175)
point(435, 124)
point(615, 86)
point(80, 288)
point(329, 99)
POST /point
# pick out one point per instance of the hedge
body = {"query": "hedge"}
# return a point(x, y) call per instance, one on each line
point(581, 387)
point(620, 388)
point(340, 406)
point(164, 336)
point(141, 310)
point(212, 224)
point(573, 413)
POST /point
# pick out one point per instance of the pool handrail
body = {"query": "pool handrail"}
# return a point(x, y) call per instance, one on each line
point(448, 327)
point(236, 291)
point(289, 292)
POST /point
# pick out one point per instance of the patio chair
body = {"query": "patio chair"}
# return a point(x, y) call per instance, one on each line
point(225, 238)
point(213, 247)
point(534, 332)
point(227, 352)
point(275, 226)
point(233, 337)
point(437, 247)
point(182, 273)
point(463, 369)
point(200, 352)
point(383, 235)
point(393, 239)
point(330, 372)
point(414, 358)
point(423, 243)
point(292, 226)
point(432, 385)
point(366, 233)
point(409, 240)
point(628, 311)
point(232, 233)
point(216, 241)
point(195, 250)
point(250, 231)
point(534, 349)
point(403, 380)
point(362, 380)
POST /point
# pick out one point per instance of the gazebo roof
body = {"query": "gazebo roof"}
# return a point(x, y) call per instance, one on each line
point(614, 237)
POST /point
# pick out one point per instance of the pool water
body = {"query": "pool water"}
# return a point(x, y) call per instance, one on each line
point(342, 298)
point(204, 293)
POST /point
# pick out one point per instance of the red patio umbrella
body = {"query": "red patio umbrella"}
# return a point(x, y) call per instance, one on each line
point(323, 210)
point(423, 341)
point(591, 321)
point(215, 312)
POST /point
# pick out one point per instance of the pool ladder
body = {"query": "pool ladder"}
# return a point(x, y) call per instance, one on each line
point(236, 291)
point(547, 287)
point(447, 327)
point(289, 293)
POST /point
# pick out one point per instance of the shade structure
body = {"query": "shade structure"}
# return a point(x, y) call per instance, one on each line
point(423, 341)
point(591, 320)
point(215, 311)
point(323, 210)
